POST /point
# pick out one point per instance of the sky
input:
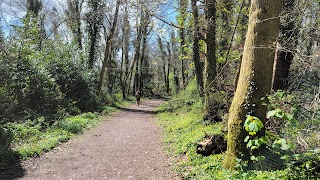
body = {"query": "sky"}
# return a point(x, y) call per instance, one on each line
point(11, 11)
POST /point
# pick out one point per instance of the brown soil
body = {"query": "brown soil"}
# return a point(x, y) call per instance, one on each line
point(125, 146)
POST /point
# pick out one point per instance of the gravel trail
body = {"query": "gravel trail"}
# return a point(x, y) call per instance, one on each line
point(127, 145)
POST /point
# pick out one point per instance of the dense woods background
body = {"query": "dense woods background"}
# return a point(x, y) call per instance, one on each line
point(62, 58)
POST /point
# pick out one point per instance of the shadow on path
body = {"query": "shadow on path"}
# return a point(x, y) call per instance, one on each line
point(142, 111)
point(10, 167)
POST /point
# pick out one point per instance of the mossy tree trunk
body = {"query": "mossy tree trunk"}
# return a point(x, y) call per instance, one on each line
point(182, 23)
point(196, 47)
point(210, 66)
point(255, 75)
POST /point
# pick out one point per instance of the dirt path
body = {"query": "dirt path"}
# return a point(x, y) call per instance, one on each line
point(125, 146)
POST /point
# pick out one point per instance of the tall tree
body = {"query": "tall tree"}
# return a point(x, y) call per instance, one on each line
point(210, 66)
point(145, 34)
point(226, 19)
point(94, 20)
point(183, 54)
point(196, 48)
point(124, 73)
point(108, 48)
point(168, 67)
point(287, 43)
point(73, 14)
point(175, 62)
point(255, 75)
point(164, 62)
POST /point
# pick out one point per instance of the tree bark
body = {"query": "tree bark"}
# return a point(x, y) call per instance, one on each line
point(174, 58)
point(125, 52)
point(284, 58)
point(107, 50)
point(210, 68)
point(163, 57)
point(196, 55)
point(255, 76)
point(144, 46)
point(226, 15)
point(168, 67)
point(182, 20)
point(135, 58)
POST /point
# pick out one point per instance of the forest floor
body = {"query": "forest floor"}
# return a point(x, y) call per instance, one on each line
point(127, 145)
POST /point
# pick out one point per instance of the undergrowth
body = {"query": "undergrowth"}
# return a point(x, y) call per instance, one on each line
point(34, 137)
point(183, 126)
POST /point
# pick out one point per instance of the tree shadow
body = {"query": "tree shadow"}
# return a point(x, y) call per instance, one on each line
point(10, 166)
point(141, 111)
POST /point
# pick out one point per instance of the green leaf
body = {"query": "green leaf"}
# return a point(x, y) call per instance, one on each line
point(279, 114)
point(253, 158)
point(247, 139)
point(271, 113)
point(254, 147)
point(253, 127)
point(249, 144)
point(264, 140)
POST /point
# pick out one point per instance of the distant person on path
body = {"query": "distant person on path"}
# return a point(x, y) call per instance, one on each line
point(138, 96)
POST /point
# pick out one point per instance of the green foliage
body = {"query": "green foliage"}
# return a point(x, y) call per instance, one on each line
point(34, 137)
point(50, 81)
point(282, 144)
point(183, 128)
point(253, 125)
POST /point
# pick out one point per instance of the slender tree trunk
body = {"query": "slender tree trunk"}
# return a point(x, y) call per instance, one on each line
point(144, 46)
point(122, 71)
point(255, 76)
point(210, 68)
point(135, 58)
point(196, 55)
point(107, 50)
point(174, 58)
point(183, 12)
point(168, 68)
point(226, 16)
point(163, 57)
point(125, 51)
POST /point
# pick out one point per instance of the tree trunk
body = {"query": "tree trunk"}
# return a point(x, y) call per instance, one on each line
point(255, 76)
point(183, 13)
point(196, 55)
point(107, 50)
point(74, 19)
point(144, 46)
point(174, 58)
point(163, 57)
point(94, 21)
point(210, 68)
point(168, 68)
point(135, 58)
point(125, 52)
point(226, 16)
point(284, 58)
